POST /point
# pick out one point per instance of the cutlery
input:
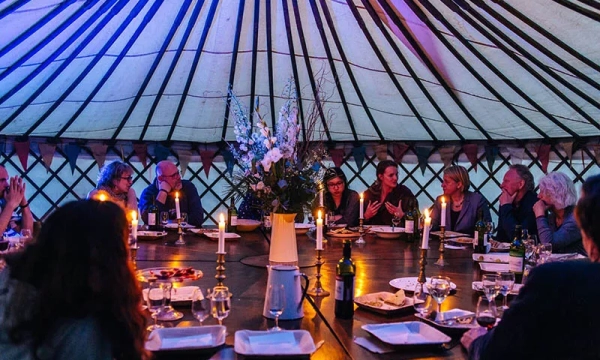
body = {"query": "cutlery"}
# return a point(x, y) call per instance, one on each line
point(464, 319)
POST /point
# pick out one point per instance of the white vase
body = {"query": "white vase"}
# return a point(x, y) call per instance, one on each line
point(284, 250)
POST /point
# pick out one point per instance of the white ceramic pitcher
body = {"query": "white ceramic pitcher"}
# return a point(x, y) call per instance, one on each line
point(289, 277)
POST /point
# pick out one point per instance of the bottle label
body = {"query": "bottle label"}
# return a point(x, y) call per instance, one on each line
point(409, 226)
point(344, 293)
point(515, 264)
point(151, 219)
point(233, 220)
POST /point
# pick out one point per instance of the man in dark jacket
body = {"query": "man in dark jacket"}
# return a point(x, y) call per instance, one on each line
point(516, 203)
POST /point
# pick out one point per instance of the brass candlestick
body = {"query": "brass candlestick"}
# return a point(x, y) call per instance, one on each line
point(133, 254)
point(179, 241)
point(318, 290)
point(361, 231)
point(422, 262)
point(220, 276)
point(441, 261)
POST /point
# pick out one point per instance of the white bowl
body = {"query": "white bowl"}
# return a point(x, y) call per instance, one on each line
point(386, 231)
point(302, 229)
point(245, 225)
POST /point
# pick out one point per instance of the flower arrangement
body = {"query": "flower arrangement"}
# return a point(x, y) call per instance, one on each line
point(274, 167)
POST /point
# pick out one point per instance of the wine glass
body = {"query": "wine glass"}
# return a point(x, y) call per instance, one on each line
point(505, 281)
point(439, 288)
point(184, 219)
point(164, 218)
point(544, 252)
point(422, 301)
point(395, 222)
point(486, 312)
point(310, 217)
point(276, 303)
point(331, 219)
point(155, 301)
point(201, 305)
point(490, 286)
point(220, 303)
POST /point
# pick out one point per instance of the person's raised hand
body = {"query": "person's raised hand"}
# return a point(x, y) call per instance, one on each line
point(15, 192)
point(372, 209)
point(506, 198)
point(539, 208)
point(163, 185)
point(395, 210)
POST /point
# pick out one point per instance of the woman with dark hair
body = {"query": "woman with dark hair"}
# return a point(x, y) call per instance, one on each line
point(339, 199)
point(73, 293)
point(386, 198)
point(114, 181)
point(462, 205)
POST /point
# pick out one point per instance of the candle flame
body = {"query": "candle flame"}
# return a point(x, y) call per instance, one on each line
point(426, 212)
point(133, 215)
point(319, 215)
point(102, 197)
point(177, 195)
point(221, 218)
point(443, 200)
point(361, 196)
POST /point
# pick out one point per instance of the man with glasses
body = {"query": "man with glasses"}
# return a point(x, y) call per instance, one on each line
point(167, 183)
point(12, 196)
point(516, 203)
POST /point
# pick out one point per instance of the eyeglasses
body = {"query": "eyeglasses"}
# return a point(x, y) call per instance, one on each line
point(173, 175)
point(336, 184)
point(128, 178)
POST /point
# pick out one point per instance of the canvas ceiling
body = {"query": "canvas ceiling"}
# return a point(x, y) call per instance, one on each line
point(419, 70)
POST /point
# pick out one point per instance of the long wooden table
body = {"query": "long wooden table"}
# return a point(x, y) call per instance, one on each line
point(379, 261)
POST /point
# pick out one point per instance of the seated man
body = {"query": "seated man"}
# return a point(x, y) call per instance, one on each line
point(162, 190)
point(516, 203)
point(12, 195)
point(555, 315)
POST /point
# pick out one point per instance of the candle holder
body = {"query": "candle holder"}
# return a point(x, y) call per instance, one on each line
point(361, 231)
point(180, 240)
point(422, 262)
point(133, 248)
point(220, 276)
point(318, 290)
point(441, 261)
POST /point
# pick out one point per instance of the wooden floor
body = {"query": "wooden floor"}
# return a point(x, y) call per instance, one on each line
point(379, 261)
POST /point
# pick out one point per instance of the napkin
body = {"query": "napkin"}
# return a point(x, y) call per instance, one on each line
point(374, 345)
point(277, 342)
point(156, 342)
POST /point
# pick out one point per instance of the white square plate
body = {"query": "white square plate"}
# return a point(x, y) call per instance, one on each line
point(407, 333)
point(273, 343)
point(373, 302)
point(186, 338)
point(228, 236)
point(492, 258)
point(493, 267)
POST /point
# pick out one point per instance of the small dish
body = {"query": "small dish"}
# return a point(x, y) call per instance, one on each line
point(387, 232)
point(186, 338)
point(462, 240)
point(245, 225)
point(374, 302)
point(477, 286)
point(499, 246)
point(150, 235)
point(409, 283)
point(343, 233)
point(407, 333)
point(452, 314)
point(228, 236)
point(302, 229)
point(493, 267)
point(173, 226)
point(274, 343)
point(449, 234)
point(493, 258)
point(179, 295)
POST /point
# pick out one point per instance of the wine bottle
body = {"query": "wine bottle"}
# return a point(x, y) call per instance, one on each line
point(480, 239)
point(516, 258)
point(344, 284)
point(231, 217)
point(153, 217)
point(409, 223)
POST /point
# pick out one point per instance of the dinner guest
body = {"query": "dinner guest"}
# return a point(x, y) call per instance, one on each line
point(516, 203)
point(554, 214)
point(339, 199)
point(462, 205)
point(114, 181)
point(12, 196)
point(73, 293)
point(385, 198)
point(555, 315)
point(163, 190)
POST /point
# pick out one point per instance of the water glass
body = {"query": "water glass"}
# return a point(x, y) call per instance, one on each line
point(544, 252)
point(276, 303)
point(490, 286)
point(505, 282)
point(155, 301)
point(395, 222)
point(220, 303)
point(184, 219)
point(486, 313)
point(439, 288)
point(422, 301)
point(201, 305)
point(164, 218)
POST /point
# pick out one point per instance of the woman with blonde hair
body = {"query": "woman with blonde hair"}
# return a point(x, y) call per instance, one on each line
point(115, 181)
point(554, 214)
point(462, 205)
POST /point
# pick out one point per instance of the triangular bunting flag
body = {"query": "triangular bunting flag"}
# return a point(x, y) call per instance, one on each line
point(381, 151)
point(337, 156)
point(206, 156)
point(422, 156)
point(491, 153)
point(516, 155)
point(229, 160)
point(358, 152)
point(568, 147)
point(184, 159)
point(72, 150)
point(447, 155)
point(22, 149)
point(471, 151)
point(47, 152)
point(160, 153)
point(543, 153)
point(596, 148)
point(99, 153)
point(399, 150)
point(141, 150)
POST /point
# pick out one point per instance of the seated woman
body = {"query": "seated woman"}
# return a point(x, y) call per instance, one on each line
point(73, 294)
point(385, 198)
point(558, 195)
point(555, 315)
point(339, 199)
point(115, 180)
point(462, 205)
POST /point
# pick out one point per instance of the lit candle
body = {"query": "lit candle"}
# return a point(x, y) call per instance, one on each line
point(134, 225)
point(362, 201)
point(221, 247)
point(102, 197)
point(443, 220)
point(177, 210)
point(426, 227)
point(319, 231)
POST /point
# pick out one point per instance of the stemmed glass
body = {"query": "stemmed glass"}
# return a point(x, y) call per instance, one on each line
point(486, 312)
point(220, 303)
point(184, 219)
point(505, 282)
point(310, 217)
point(164, 219)
point(201, 305)
point(490, 285)
point(422, 301)
point(544, 252)
point(155, 301)
point(330, 217)
point(276, 303)
point(395, 222)
point(439, 288)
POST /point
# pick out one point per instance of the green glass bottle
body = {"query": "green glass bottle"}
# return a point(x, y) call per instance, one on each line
point(516, 258)
point(480, 239)
point(409, 222)
point(153, 217)
point(232, 217)
point(344, 284)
